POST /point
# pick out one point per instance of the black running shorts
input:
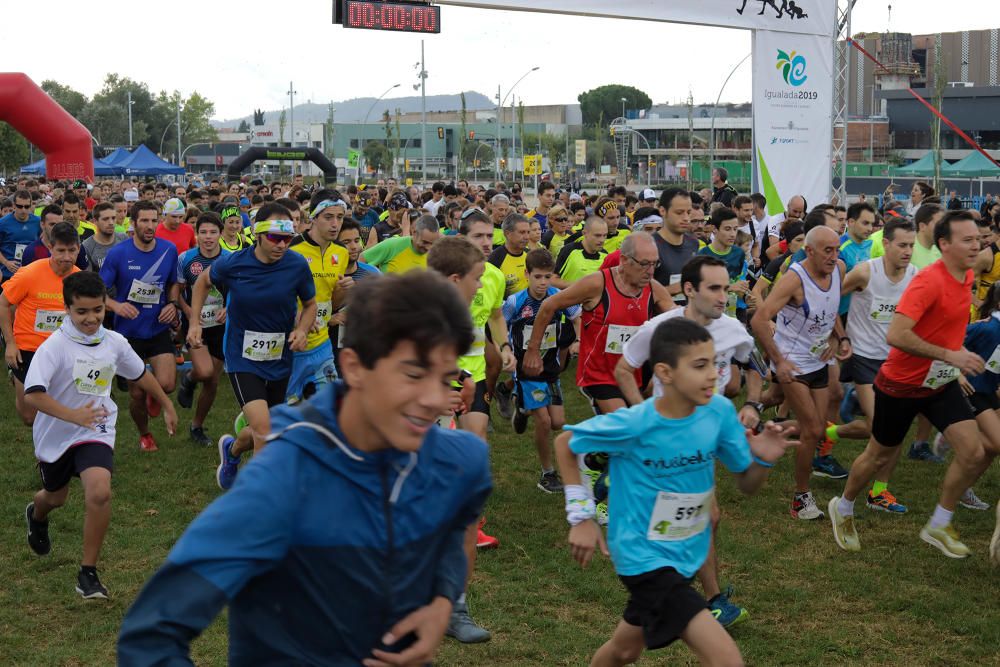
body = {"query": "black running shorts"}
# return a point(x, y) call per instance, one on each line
point(662, 603)
point(894, 416)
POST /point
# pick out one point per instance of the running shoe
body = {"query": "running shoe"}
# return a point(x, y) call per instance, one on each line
point(198, 436)
point(825, 448)
point(885, 502)
point(152, 406)
point(804, 507)
point(240, 423)
point(601, 487)
point(602, 514)
point(971, 501)
point(229, 464)
point(850, 407)
point(940, 446)
point(38, 532)
point(844, 532)
point(945, 539)
point(504, 398)
point(725, 612)
point(89, 586)
point(463, 628)
point(147, 443)
point(185, 393)
point(519, 420)
point(995, 540)
point(549, 482)
point(827, 466)
point(484, 541)
point(921, 451)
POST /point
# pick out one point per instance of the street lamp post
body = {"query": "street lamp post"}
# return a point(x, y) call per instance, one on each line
point(715, 111)
point(130, 142)
point(623, 107)
point(361, 152)
point(500, 103)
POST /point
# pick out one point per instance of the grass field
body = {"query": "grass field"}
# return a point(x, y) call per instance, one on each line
point(898, 602)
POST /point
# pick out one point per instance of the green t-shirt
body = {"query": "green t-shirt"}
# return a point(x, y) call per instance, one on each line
point(488, 299)
point(924, 256)
point(395, 255)
point(877, 248)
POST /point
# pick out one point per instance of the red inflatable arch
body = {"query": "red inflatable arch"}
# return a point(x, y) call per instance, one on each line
point(64, 140)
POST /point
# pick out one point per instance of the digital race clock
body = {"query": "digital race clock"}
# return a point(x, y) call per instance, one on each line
point(397, 16)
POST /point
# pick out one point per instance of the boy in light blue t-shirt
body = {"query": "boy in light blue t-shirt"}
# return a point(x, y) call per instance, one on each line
point(661, 457)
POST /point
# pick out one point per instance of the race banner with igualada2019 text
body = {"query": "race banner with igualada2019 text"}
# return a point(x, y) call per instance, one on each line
point(792, 117)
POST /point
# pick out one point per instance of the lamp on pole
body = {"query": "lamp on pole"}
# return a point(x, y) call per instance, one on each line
point(500, 103)
point(130, 103)
point(422, 75)
point(361, 152)
point(623, 107)
point(715, 111)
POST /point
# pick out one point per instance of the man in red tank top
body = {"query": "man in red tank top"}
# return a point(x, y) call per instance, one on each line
point(615, 303)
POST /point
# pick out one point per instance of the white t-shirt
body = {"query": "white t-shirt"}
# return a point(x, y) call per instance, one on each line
point(432, 206)
point(730, 337)
point(75, 374)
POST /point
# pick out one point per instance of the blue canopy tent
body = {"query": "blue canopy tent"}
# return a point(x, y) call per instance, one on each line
point(101, 168)
point(144, 162)
point(116, 156)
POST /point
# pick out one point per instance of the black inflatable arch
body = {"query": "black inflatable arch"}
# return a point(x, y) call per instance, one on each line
point(255, 153)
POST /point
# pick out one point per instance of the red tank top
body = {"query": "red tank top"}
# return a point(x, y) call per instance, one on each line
point(605, 330)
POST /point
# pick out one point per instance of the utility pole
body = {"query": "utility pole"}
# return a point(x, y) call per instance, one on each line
point(496, 155)
point(130, 143)
point(178, 130)
point(423, 117)
point(291, 114)
point(690, 106)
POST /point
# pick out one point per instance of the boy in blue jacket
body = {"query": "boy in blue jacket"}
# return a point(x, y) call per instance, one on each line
point(341, 542)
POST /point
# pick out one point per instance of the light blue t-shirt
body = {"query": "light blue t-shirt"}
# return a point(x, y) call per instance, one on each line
point(648, 454)
point(853, 254)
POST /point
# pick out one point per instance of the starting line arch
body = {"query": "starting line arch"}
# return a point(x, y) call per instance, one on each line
point(795, 100)
point(256, 153)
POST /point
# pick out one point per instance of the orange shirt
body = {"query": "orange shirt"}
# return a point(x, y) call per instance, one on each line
point(37, 292)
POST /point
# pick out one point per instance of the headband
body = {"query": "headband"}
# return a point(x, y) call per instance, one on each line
point(605, 207)
point(327, 203)
point(648, 220)
point(230, 212)
point(274, 227)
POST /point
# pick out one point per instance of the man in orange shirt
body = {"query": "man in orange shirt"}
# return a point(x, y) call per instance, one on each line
point(36, 290)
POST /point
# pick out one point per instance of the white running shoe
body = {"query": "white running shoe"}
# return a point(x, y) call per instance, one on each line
point(940, 446)
point(971, 501)
point(804, 508)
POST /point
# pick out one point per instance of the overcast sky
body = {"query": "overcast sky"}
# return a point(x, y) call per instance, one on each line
point(243, 53)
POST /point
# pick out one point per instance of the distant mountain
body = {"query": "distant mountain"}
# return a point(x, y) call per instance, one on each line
point(354, 110)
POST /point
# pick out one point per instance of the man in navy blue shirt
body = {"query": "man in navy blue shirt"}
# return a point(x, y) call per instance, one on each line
point(39, 248)
point(143, 273)
point(261, 283)
point(18, 230)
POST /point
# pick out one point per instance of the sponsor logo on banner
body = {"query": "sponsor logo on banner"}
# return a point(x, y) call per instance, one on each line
point(793, 67)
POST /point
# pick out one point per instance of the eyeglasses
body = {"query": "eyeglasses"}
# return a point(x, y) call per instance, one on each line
point(24, 207)
point(654, 264)
point(278, 239)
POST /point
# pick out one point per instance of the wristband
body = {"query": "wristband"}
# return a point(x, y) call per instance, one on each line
point(759, 407)
point(579, 504)
point(761, 462)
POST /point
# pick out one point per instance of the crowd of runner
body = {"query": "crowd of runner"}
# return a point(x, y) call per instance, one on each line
point(687, 317)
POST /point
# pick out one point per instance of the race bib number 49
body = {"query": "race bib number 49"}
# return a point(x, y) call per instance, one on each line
point(93, 378)
point(679, 516)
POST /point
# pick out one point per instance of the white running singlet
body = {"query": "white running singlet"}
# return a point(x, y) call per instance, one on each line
point(803, 331)
point(872, 309)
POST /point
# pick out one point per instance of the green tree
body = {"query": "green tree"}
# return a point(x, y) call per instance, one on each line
point(196, 114)
point(106, 116)
point(13, 149)
point(377, 156)
point(606, 101)
point(244, 126)
point(282, 121)
point(71, 100)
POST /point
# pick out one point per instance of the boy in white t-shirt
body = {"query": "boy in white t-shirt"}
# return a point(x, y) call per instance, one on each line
point(69, 384)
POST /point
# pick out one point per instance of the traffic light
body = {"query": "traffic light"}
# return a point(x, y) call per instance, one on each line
point(440, 133)
point(472, 135)
point(503, 163)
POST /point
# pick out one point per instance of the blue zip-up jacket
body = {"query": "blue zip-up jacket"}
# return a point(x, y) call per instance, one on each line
point(983, 338)
point(318, 549)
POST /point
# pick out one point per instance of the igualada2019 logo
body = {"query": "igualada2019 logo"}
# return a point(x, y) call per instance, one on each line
point(793, 67)
point(793, 71)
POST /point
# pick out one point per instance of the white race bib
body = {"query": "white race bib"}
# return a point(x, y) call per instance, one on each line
point(209, 315)
point(993, 363)
point(47, 321)
point(679, 516)
point(940, 374)
point(820, 346)
point(93, 378)
point(618, 335)
point(478, 348)
point(141, 292)
point(19, 251)
point(324, 311)
point(882, 311)
point(548, 339)
point(259, 346)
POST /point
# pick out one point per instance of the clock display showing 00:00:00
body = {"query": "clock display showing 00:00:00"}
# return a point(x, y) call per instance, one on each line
point(376, 15)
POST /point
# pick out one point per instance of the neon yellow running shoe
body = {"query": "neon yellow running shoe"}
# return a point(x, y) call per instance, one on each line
point(945, 539)
point(240, 423)
point(844, 532)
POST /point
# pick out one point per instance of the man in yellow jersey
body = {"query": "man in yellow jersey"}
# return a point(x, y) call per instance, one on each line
point(987, 268)
point(499, 207)
point(327, 261)
point(510, 257)
point(404, 253)
point(73, 214)
point(609, 210)
point(232, 238)
point(584, 256)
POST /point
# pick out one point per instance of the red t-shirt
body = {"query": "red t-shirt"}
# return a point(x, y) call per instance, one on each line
point(939, 305)
point(182, 237)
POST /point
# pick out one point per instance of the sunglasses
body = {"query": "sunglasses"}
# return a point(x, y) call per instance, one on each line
point(559, 219)
point(278, 239)
point(23, 206)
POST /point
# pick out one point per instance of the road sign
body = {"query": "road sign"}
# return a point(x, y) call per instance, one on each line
point(532, 165)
